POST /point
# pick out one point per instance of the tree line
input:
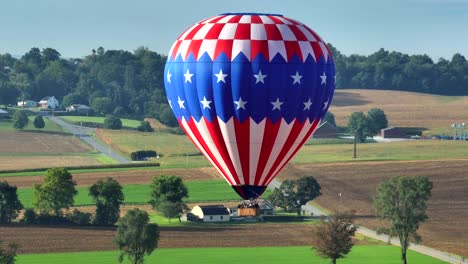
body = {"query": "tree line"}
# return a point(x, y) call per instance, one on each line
point(385, 70)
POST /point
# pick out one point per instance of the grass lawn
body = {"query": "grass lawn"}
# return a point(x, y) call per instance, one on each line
point(379, 254)
point(7, 125)
point(408, 150)
point(95, 119)
point(199, 191)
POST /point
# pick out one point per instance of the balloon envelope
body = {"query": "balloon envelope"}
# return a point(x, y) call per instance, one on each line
point(249, 90)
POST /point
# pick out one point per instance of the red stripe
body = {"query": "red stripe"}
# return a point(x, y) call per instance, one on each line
point(194, 31)
point(317, 37)
point(309, 133)
point(205, 147)
point(276, 20)
point(235, 19)
point(269, 137)
point(225, 46)
point(258, 46)
point(218, 140)
point(215, 20)
point(292, 47)
point(176, 48)
point(300, 36)
point(194, 47)
point(273, 32)
point(214, 31)
point(243, 146)
point(256, 20)
point(293, 134)
point(317, 50)
point(242, 31)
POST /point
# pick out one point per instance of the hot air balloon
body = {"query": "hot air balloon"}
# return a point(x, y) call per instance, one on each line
point(249, 90)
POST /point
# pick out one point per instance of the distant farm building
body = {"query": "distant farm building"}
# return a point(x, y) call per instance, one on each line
point(3, 113)
point(79, 108)
point(326, 130)
point(27, 103)
point(266, 208)
point(211, 213)
point(49, 102)
point(392, 132)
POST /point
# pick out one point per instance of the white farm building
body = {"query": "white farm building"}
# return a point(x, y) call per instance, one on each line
point(211, 213)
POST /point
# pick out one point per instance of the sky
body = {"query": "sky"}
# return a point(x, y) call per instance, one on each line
point(438, 28)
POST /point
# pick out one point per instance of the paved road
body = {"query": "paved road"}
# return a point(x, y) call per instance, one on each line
point(444, 256)
point(83, 133)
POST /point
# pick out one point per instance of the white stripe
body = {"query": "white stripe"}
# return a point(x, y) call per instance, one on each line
point(293, 148)
point(205, 133)
point(199, 146)
point(210, 19)
point(266, 20)
point(324, 50)
point(306, 49)
point(256, 138)
point(183, 48)
point(277, 46)
point(201, 33)
point(228, 31)
point(278, 145)
point(208, 46)
point(225, 19)
point(229, 135)
point(306, 32)
point(286, 32)
point(284, 20)
point(182, 37)
point(258, 32)
point(239, 46)
point(245, 19)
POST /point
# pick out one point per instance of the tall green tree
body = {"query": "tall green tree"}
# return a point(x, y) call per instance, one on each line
point(358, 125)
point(292, 194)
point(329, 118)
point(403, 202)
point(167, 188)
point(56, 193)
point(335, 236)
point(20, 119)
point(135, 236)
point(10, 205)
point(377, 120)
point(39, 122)
point(108, 196)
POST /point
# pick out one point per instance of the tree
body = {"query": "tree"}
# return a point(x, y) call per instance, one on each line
point(112, 122)
point(102, 105)
point(39, 122)
point(108, 196)
point(377, 120)
point(20, 119)
point(55, 193)
point(171, 209)
point(145, 126)
point(402, 201)
point(8, 256)
point(329, 118)
point(293, 194)
point(358, 126)
point(335, 236)
point(10, 205)
point(135, 237)
point(167, 189)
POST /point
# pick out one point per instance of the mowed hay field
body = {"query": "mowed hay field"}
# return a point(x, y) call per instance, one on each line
point(403, 109)
point(446, 229)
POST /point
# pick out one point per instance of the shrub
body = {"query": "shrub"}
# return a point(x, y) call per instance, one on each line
point(29, 217)
point(79, 218)
point(142, 154)
point(145, 126)
point(39, 122)
point(112, 122)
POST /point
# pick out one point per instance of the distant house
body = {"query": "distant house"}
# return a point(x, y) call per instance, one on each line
point(392, 132)
point(49, 102)
point(79, 108)
point(326, 130)
point(266, 208)
point(3, 113)
point(211, 213)
point(27, 103)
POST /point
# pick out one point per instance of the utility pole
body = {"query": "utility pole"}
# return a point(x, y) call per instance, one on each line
point(355, 143)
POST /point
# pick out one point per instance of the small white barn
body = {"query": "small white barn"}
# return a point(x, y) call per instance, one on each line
point(49, 102)
point(211, 213)
point(79, 108)
point(27, 103)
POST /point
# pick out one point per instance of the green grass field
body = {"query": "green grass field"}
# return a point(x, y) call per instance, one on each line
point(379, 254)
point(199, 191)
point(7, 125)
point(130, 123)
point(409, 150)
point(77, 171)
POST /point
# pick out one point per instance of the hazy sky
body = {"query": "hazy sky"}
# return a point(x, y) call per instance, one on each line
point(438, 28)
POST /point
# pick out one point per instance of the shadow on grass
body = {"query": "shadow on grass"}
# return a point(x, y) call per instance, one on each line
point(342, 98)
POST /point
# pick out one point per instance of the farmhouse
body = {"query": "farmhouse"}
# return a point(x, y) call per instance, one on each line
point(211, 213)
point(325, 130)
point(27, 103)
point(392, 132)
point(49, 102)
point(79, 108)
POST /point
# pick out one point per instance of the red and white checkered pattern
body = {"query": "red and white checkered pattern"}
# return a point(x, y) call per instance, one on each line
point(250, 34)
